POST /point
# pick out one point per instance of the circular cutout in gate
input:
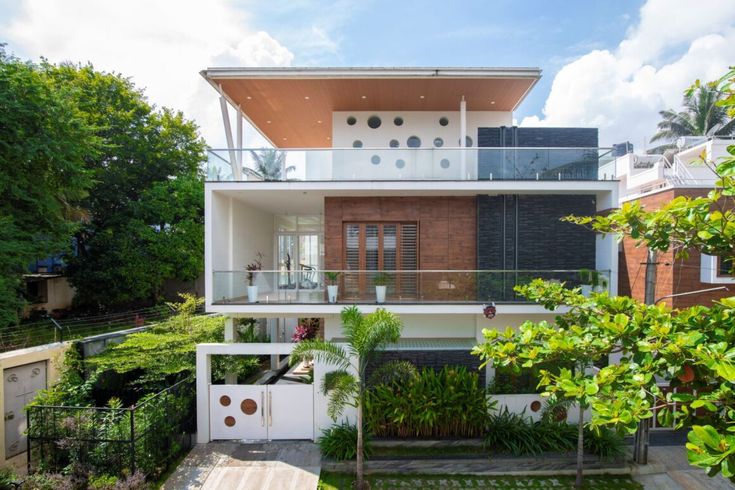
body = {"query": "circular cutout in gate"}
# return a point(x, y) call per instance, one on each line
point(229, 421)
point(225, 401)
point(248, 406)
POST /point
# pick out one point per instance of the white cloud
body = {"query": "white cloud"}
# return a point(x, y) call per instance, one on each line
point(621, 91)
point(161, 44)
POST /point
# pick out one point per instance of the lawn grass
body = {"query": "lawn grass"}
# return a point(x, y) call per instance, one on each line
point(343, 481)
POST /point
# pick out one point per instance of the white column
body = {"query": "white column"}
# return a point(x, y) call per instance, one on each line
point(203, 378)
point(463, 137)
point(239, 138)
point(236, 170)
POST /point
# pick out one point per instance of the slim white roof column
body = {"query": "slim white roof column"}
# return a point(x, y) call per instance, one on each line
point(239, 138)
point(236, 169)
point(463, 137)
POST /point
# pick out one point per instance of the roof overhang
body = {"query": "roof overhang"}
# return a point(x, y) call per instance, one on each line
point(292, 107)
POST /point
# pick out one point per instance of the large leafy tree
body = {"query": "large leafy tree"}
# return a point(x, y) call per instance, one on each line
point(346, 384)
point(701, 116)
point(694, 347)
point(146, 205)
point(45, 142)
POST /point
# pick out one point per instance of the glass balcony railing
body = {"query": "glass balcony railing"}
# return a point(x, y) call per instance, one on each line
point(375, 164)
point(401, 287)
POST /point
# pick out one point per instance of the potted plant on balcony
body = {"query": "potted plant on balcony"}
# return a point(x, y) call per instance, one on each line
point(332, 286)
point(591, 281)
point(252, 269)
point(381, 285)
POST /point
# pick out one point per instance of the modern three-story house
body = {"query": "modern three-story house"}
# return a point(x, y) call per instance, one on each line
point(408, 189)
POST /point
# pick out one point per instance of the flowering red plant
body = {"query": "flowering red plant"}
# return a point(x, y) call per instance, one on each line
point(304, 332)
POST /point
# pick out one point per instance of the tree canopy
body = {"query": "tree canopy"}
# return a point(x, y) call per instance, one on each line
point(45, 145)
point(145, 205)
point(647, 345)
point(701, 116)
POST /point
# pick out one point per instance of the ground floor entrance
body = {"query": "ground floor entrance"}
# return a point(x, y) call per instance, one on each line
point(261, 412)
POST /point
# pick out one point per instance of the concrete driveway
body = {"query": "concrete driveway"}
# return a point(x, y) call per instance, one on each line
point(283, 465)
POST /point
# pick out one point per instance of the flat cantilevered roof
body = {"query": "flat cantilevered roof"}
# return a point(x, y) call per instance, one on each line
point(292, 107)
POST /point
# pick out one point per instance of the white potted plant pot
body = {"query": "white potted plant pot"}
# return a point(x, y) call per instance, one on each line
point(586, 290)
point(380, 294)
point(253, 294)
point(332, 291)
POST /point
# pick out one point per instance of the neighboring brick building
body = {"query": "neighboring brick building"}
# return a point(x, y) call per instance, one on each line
point(655, 181)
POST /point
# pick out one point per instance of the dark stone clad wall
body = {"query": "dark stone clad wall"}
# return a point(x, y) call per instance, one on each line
point(529, 164)
point(531, 223)
point(436, 359)
point(513, 136)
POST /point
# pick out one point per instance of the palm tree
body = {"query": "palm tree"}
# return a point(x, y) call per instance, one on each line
point(364, 334)
point(271, 164)
point(701, 117)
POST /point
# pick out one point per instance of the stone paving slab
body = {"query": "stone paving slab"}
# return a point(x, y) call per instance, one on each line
point(283, 465)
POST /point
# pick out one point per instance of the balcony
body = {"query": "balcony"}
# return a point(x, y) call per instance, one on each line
point(402, 287)
point(410, 164)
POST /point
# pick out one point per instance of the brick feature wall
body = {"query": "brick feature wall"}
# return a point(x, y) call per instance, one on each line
point(529, 164)
point(435, 359)
point(672, 275)
point(525, 232)
point(447, 234)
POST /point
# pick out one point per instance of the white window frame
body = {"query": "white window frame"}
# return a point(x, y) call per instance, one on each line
point(708, 271)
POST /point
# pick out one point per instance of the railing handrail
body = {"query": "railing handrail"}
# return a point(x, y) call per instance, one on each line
point(405, 148)
point(412, 270)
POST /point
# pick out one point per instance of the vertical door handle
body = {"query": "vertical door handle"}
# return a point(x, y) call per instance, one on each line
point(262, 409)
point(270, 409)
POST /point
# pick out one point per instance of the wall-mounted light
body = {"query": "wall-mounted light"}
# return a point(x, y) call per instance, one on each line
point(249, 98)
point(421, 97)
point(364, 97)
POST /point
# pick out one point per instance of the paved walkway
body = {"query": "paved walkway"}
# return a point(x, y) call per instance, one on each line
point(286, 465)
point(668, 469)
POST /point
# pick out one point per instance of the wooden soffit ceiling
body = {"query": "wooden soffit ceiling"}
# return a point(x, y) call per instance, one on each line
point(293, 107)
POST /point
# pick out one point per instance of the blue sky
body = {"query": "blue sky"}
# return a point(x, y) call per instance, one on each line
point(545, 34)
point(608, 64)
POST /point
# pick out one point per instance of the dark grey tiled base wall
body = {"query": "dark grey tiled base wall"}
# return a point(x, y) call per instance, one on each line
point(525, 232)
point(436, 359)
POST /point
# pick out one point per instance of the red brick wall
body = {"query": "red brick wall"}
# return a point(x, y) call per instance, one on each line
point(447, 227)
point(447, 236)
point(673, 275)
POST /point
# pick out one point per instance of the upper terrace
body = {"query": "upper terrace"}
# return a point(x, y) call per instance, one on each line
point(390, 124)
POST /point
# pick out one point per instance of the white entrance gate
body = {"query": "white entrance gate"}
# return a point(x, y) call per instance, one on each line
point(20, 384)
point(259, 412)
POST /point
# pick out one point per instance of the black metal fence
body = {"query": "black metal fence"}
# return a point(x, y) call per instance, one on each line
point(146, 437)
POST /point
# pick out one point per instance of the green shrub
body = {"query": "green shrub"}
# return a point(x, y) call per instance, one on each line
point(340, 442)
point(517, 434)
point(435, 404)
point(512, 433)
point(605, 443)
point(394, 372)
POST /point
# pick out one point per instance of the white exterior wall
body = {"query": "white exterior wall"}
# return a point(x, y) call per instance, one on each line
point(424, 124)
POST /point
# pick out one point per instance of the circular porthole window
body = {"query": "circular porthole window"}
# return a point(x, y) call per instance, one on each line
point(374, 122)
point(398, 121)
point(394, 144)
point(444, 163)
point(357, 144)
point(443, 121)
point(467, 141)
point(375, 160)
point(413, 142)
point(351, 121)
point(438, 142)
point(400, 163)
